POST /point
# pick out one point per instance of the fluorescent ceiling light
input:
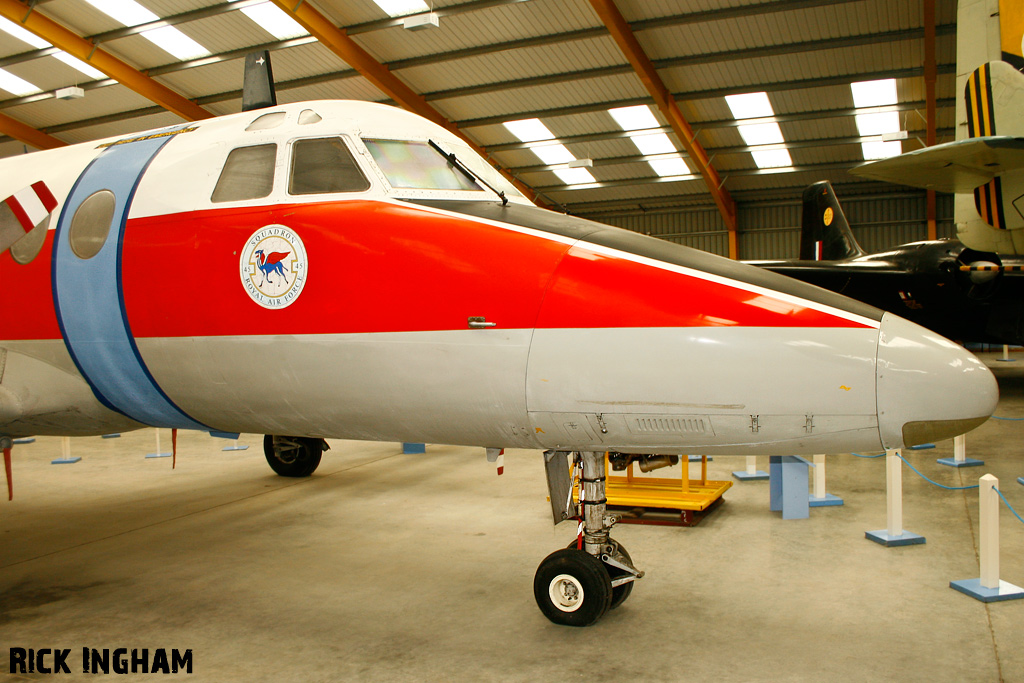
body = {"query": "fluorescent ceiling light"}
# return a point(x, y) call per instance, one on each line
point(772, 158)
point(670, 167)
point(16, 86)
point(878, 123)
point(881, 150)
point(529, 130)
point(398, 8)
point(38, 43)
point(874, 93)
point(274, 21)
point(749, 105)
point(761, 134)
point(575, 176)
point(634, 118)
point(168, 38)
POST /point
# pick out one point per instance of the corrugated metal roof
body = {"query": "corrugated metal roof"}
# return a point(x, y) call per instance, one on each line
point(497, 60)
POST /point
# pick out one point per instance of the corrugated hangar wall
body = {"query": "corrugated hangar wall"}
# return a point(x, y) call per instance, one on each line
point(771, 230)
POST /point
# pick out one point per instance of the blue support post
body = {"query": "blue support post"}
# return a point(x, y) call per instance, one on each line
point(229, 435)
point(413, 448)
point(789, 488)
point(111, 436)
point(21, 442)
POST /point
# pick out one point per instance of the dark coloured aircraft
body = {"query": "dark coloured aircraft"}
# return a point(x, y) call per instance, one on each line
point(963, 294)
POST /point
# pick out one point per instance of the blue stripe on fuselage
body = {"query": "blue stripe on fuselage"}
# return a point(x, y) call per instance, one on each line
point(89, 301)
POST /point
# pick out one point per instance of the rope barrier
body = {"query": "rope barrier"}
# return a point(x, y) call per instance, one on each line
point(1008, 419)
point(1008, 504)
point(935, 483)
point(868, 456)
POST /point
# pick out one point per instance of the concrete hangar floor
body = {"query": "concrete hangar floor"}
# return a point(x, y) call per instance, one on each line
point(390, 567)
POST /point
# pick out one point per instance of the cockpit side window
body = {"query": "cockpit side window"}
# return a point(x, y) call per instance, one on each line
point(415, 165)
point(248, 173)
point(322, 165)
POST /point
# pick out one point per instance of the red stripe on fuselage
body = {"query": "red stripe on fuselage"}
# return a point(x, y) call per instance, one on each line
point(384, 267)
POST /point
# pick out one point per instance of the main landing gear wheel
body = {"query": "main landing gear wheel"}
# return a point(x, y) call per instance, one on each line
point(572, 588)
point(293, 456)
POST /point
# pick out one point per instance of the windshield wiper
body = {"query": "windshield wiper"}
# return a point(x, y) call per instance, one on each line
point(466, 171)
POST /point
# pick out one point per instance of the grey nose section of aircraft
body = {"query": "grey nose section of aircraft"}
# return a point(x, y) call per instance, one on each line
point(928, 388)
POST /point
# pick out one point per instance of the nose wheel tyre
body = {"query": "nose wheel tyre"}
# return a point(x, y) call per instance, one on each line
point(622, 591)
point(572, 588)
point(293, 456)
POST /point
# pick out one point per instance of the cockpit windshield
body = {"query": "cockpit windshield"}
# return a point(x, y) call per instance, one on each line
point(409, 164)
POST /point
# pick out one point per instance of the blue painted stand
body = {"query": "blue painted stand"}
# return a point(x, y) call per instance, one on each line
point(229, 435)
point(882, 537)
point(65, 461)
point(973, 588)
point(828, 501)
point(21, 442)
point(968, 462)
point(922, 447)
point(789, 488)
point(747, 476)
point(697, 458)
point(111, 436)
point(414, 448)
point(158, 455)
point(1020, 480)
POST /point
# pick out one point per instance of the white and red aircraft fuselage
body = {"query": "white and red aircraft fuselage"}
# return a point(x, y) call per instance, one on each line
point(323, 270)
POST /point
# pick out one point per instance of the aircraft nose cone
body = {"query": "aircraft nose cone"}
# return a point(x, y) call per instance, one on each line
point(928, 388)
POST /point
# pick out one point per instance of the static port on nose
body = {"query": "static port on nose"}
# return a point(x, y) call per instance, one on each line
point(927, 387)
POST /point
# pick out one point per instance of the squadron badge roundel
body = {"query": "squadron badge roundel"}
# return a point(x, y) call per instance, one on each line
point(273, 266)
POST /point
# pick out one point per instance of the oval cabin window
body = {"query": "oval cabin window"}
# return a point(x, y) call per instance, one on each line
point(91, 224)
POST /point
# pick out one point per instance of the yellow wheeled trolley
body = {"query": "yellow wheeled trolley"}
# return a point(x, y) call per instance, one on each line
point(651, 500)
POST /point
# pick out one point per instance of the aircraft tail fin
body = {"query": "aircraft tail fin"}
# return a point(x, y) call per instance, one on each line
point(825, 233)
point(258, 83)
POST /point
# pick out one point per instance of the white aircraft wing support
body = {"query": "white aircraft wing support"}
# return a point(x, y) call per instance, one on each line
point(957, 166)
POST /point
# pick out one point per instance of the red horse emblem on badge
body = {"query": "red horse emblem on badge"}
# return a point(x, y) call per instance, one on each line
point(271, 263)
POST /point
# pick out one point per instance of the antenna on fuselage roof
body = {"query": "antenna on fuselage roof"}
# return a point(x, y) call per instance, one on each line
point(258, 82)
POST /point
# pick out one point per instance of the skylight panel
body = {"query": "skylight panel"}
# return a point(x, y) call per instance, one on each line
point(35, 41)
point(750, 105)
point(634, 118)
point(274, 21)
point(553, 154)
point(168, 38)
point(772, 158)
point(755, 105)
point(16, 86)
point(575, 176)
point(657, 143)
point(529, 130)
point(399, 8)
point(761, 134)
point(875, 94)
point(670, 167)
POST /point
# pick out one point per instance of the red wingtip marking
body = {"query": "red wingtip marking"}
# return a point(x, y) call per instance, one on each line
point(45, 196)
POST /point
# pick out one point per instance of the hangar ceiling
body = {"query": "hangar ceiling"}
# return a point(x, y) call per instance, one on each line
point(597, 106)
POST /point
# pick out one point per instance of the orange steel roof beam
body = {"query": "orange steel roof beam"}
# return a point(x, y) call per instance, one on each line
point(72, 43)
point(30, 136)
point(339, 42)
point(630, 46)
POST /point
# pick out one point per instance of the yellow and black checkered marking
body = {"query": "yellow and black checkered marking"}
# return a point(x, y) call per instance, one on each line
point(981, 122)
point(1005, 269)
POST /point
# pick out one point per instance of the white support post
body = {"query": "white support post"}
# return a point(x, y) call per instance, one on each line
point(159, 453)
point(1006, 352)
point(819, 476)
point(65, 453)
point(988, 514)
point(894, 534)
point(751, 472)
point(751, 465)
point(894, 493)
point(988, 588)
point(960, 458)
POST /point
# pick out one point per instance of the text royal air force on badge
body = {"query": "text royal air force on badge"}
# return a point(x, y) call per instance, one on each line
point(273, 266)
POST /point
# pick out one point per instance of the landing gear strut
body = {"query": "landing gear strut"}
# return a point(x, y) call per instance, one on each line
point(577, 585)
point(293, 456)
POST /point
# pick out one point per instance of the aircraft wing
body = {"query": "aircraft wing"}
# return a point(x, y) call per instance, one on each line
point(957, 166)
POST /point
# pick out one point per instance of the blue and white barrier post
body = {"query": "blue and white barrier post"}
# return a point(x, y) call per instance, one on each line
point(960, 458)
point(65, 453)
point(159, 453)
point(988, 588)
point(819, 498)
point(751, 473)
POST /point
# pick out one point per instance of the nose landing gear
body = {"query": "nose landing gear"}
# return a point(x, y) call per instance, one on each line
point(578, 585)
